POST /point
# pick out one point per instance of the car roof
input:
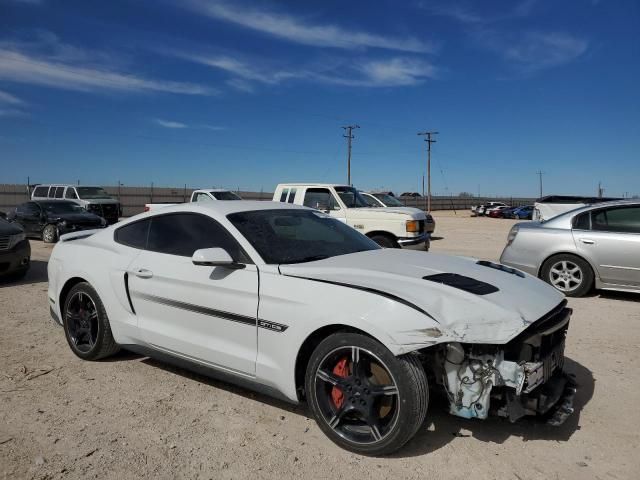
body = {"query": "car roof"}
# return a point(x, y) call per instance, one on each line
point(312, 185)
point(224, 208)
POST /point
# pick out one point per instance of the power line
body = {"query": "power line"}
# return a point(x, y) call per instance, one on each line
point(428, 134)
point(349, 136)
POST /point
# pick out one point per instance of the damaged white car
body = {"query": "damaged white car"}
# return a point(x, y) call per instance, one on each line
point(292, 302)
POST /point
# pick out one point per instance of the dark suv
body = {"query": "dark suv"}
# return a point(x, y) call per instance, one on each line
point(15, 251)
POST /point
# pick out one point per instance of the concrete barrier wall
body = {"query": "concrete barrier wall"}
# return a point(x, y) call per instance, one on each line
point(134, 198)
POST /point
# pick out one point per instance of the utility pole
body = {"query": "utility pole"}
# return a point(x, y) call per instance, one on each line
point(427, 138)
point(540, 173)
point(348, 129)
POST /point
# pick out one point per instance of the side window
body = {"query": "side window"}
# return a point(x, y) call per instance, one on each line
point(59, 192)
point(28, 208)
point(70, 193)
point(134, 235)
point(202, 197)
point(618, 219)
point(320, 199)
point(40, 191)
point(283, 195)
point(292, 195)
point(183, 233)
point(52, 191)
point(582, 221)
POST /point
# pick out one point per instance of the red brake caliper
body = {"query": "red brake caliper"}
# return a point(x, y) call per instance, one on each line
point(341, 370)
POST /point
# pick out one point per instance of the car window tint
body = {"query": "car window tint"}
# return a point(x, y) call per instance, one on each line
point(283, 195)
point(134, 234)
point(292, 195)
point(320, 199)
point(52, 191)
point(70, 193)
point(40, 191)
point(59, 192)
point(184, 233)
point(582, 222)
point(620, 219)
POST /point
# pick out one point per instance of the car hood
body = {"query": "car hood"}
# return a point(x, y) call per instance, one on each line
point(76, 218)
point(460, 315)
point(7, 228)
point(375, 212)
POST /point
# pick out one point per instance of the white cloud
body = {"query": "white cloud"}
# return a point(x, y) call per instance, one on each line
point(70, 68)
point(9, 99)
point(392, 72)
point(12, 112)
point(532, 51)
point(464, 13)
point(169, 123)
point(301, 31)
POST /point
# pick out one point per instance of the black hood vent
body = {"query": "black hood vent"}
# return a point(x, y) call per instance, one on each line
point(461, 282)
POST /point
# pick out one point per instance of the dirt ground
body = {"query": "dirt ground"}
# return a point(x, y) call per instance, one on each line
point(131, 417)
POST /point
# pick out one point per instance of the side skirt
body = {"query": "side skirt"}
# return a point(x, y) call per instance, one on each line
point(208, 372)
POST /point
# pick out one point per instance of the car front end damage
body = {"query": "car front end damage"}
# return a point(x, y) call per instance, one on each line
point(524, 377)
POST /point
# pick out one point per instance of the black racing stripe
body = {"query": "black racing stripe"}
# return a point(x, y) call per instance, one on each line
point(234, 317)
point(374, 291)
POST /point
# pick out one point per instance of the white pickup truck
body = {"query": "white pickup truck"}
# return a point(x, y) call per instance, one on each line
point(389, 227)
point(209, 195)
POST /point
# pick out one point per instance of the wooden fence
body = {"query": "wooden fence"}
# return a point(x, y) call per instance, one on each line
point(134, 198)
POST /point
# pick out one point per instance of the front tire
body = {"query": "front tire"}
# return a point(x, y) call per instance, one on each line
point(86, 325)
point(364, 398)
point(569, 274)
point(50, 234)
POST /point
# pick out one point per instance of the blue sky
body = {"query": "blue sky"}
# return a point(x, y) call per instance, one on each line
point(249, 94)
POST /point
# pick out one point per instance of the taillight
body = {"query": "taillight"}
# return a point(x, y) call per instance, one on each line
point(146, 208)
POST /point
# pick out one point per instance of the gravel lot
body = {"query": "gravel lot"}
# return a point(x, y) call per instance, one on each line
point(132, 417)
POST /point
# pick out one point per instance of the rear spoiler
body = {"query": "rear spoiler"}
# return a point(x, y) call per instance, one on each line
point(68, 237)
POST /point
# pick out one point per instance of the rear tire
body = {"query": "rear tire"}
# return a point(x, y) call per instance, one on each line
point(86, 325)
point(378, 401)
point(50, 234)
point(569, 274)
point(385, 241)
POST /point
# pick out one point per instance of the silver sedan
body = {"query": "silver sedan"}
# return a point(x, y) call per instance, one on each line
point(593, 246)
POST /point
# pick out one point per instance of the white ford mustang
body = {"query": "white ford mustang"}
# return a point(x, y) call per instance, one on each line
point(289, 301)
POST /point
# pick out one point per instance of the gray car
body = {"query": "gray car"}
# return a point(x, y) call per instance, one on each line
point(597, 245)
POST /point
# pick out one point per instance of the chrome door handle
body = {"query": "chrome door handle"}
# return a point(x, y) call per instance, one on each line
point(587, 241)
point(143, 273)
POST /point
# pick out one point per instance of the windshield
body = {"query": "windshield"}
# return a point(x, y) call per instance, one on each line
point(89, 193)
point(61, 207)
point(351, 197)
point(371, 200)
point(297, 236)
point(388, 200)
point(226, 196)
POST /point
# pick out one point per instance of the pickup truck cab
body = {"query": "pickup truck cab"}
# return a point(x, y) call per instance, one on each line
point(389, 227)
point(205, 195)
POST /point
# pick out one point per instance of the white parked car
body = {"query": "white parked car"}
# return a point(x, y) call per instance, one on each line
point(205, 195)
point(390, 227)
point(290, 301)
point(484, 208)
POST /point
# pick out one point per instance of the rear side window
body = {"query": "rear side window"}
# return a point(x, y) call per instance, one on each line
point(292, 195)
point(134, 235)
point(71, 193)
point(59, 192)
point(52, 192)
point(620, 219)
point(582, 222)
point(283, 196)
point(183, 233)
point(40, 191)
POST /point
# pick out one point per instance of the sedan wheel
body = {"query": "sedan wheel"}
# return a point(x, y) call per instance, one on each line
point(86, 324)
point(569, 274)
point(364, 398)
point(50, 234)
